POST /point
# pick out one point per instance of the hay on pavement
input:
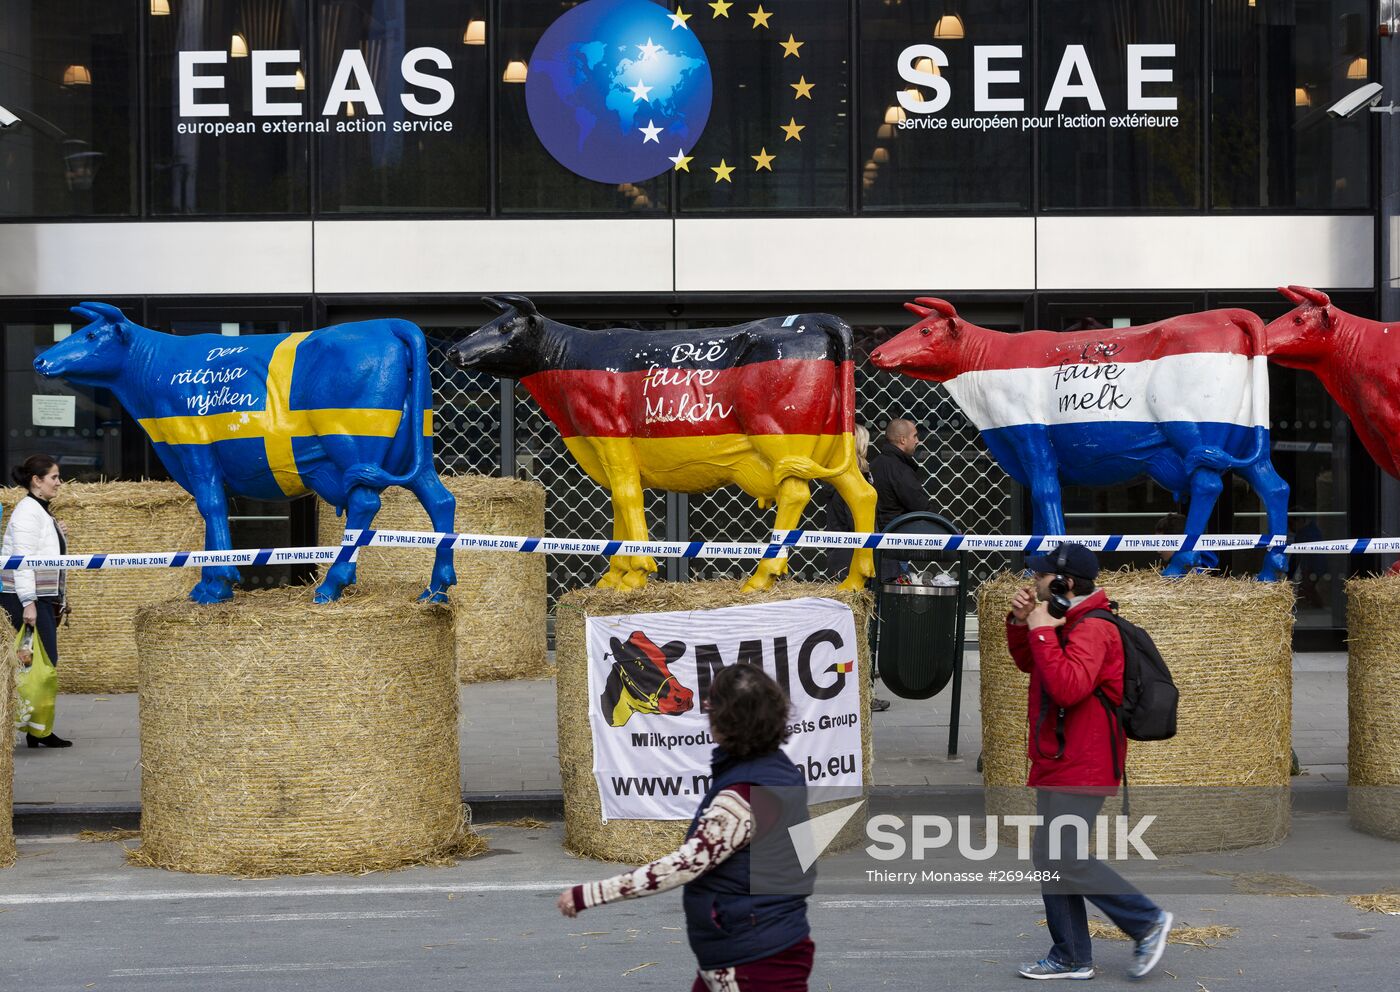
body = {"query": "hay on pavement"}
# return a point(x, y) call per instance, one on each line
point(1373, 705)
point(283, 737)
point(500, 598)
point(97, 649)
point(9, 671)
point(1222, 782)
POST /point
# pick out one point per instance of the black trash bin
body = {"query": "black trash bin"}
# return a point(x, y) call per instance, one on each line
point(920, 623)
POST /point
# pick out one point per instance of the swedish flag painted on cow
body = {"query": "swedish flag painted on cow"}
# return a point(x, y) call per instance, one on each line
point(343, 412)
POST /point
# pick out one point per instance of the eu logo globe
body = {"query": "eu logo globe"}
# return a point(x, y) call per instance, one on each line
point(618, 89)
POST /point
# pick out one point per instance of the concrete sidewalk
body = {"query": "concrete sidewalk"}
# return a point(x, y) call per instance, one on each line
point(508, 736)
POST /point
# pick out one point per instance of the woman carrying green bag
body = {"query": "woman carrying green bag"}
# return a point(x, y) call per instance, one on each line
point(34, 597)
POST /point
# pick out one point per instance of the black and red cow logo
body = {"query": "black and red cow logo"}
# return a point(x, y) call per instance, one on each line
point(641, 680)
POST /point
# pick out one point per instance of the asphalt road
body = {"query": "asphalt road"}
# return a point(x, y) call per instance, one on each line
point(74, 916)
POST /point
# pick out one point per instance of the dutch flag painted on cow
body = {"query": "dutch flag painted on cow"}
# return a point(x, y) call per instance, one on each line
point(1181, 401)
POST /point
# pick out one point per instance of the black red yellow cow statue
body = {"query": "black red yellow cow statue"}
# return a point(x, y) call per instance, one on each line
point(767, 406)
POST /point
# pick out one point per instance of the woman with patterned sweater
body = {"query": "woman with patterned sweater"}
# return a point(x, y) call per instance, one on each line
point(743, 941)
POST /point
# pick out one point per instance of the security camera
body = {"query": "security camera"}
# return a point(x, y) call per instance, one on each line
point(7, 118)
point(1358, 100)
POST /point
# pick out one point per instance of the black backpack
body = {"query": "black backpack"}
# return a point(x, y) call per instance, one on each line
point(1148, 710)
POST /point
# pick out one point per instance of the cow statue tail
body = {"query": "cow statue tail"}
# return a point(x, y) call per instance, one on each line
point(1216, 459)
point(375, 476)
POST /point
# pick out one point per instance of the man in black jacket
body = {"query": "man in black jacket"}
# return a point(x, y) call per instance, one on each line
point(898, 480)
point(899, 488)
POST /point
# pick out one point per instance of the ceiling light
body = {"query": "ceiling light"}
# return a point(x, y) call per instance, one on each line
point(949, 28)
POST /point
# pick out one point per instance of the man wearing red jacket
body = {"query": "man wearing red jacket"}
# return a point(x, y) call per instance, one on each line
point(1077, 751)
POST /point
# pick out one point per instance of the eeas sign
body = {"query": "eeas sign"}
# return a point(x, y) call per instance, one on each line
point(649, 676)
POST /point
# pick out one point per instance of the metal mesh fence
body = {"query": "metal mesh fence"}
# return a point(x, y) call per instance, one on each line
point(468, 417)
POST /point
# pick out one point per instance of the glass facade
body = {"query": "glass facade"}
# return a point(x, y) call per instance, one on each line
point(206, 109)
point(298, 108)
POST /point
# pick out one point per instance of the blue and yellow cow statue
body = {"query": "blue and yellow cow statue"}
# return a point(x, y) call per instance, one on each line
point(344, 412)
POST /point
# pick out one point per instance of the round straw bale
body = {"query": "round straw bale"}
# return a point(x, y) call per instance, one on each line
point(639, 841)
point(500, 598)
point(9, 671)
point(1222, 782)
point(98, 647)
point(283, 737)
point(1373, 705)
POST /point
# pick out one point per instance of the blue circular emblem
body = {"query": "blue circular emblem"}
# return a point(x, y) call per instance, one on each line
point(617, 89)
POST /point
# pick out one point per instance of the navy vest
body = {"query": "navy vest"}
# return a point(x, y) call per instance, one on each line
point(727, 924)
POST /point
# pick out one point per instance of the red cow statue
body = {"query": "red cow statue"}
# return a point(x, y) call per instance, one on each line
point(1356, 359)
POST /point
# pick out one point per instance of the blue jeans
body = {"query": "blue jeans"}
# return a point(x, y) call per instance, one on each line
point(1081, 879)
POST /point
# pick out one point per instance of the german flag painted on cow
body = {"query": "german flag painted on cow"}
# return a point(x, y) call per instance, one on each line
point(767, 405)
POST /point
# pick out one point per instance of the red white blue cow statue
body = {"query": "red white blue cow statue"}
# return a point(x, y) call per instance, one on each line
point(1357, 360)
point(344, 412)
point(1181, 400)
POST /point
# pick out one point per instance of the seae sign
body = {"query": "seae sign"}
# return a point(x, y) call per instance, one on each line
point(1074, 79)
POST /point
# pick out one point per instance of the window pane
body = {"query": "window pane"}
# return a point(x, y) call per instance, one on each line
point(781, 112)
point(588, 78)
point(434, 158)
point(918, 168)
point(68, 72)
point(243, 170)
point(1152, 166)
point(1276, 68)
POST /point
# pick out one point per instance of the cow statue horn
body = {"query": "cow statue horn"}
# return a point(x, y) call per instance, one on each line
point(101, 310)
point(942, 307)
point(917, 310)
point(1314, 296)
point(1290, 294)
point(522, 303)
point(497, 304)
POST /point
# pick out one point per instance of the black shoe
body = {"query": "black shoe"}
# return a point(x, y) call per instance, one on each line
point(53, 740)
point(877, 705)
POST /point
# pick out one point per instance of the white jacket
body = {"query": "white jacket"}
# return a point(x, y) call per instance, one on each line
point(31, 531)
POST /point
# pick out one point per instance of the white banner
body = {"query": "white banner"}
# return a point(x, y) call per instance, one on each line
point(648, 674)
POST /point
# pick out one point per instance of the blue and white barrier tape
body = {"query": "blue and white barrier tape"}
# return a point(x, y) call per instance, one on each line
point(782, 543)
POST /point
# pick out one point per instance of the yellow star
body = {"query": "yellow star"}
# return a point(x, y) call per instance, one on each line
point(804, 88)
point(721, 8)
point(722, 171)
point(760, 18)
point(682, 160)
point(678, 19)
point(764, 160)
point(792, 129)
point(791, 46)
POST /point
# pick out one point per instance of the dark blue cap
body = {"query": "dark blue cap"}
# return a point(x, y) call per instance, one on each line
point(1067, 559)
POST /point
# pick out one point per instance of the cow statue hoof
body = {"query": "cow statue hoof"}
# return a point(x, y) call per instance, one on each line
point(433, 596)
point(1275, 566)
point(628, 572)
point(210, 591)
point(759, 581)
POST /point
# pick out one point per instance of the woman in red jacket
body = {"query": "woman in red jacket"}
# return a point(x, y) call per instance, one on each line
point(1076, 751)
